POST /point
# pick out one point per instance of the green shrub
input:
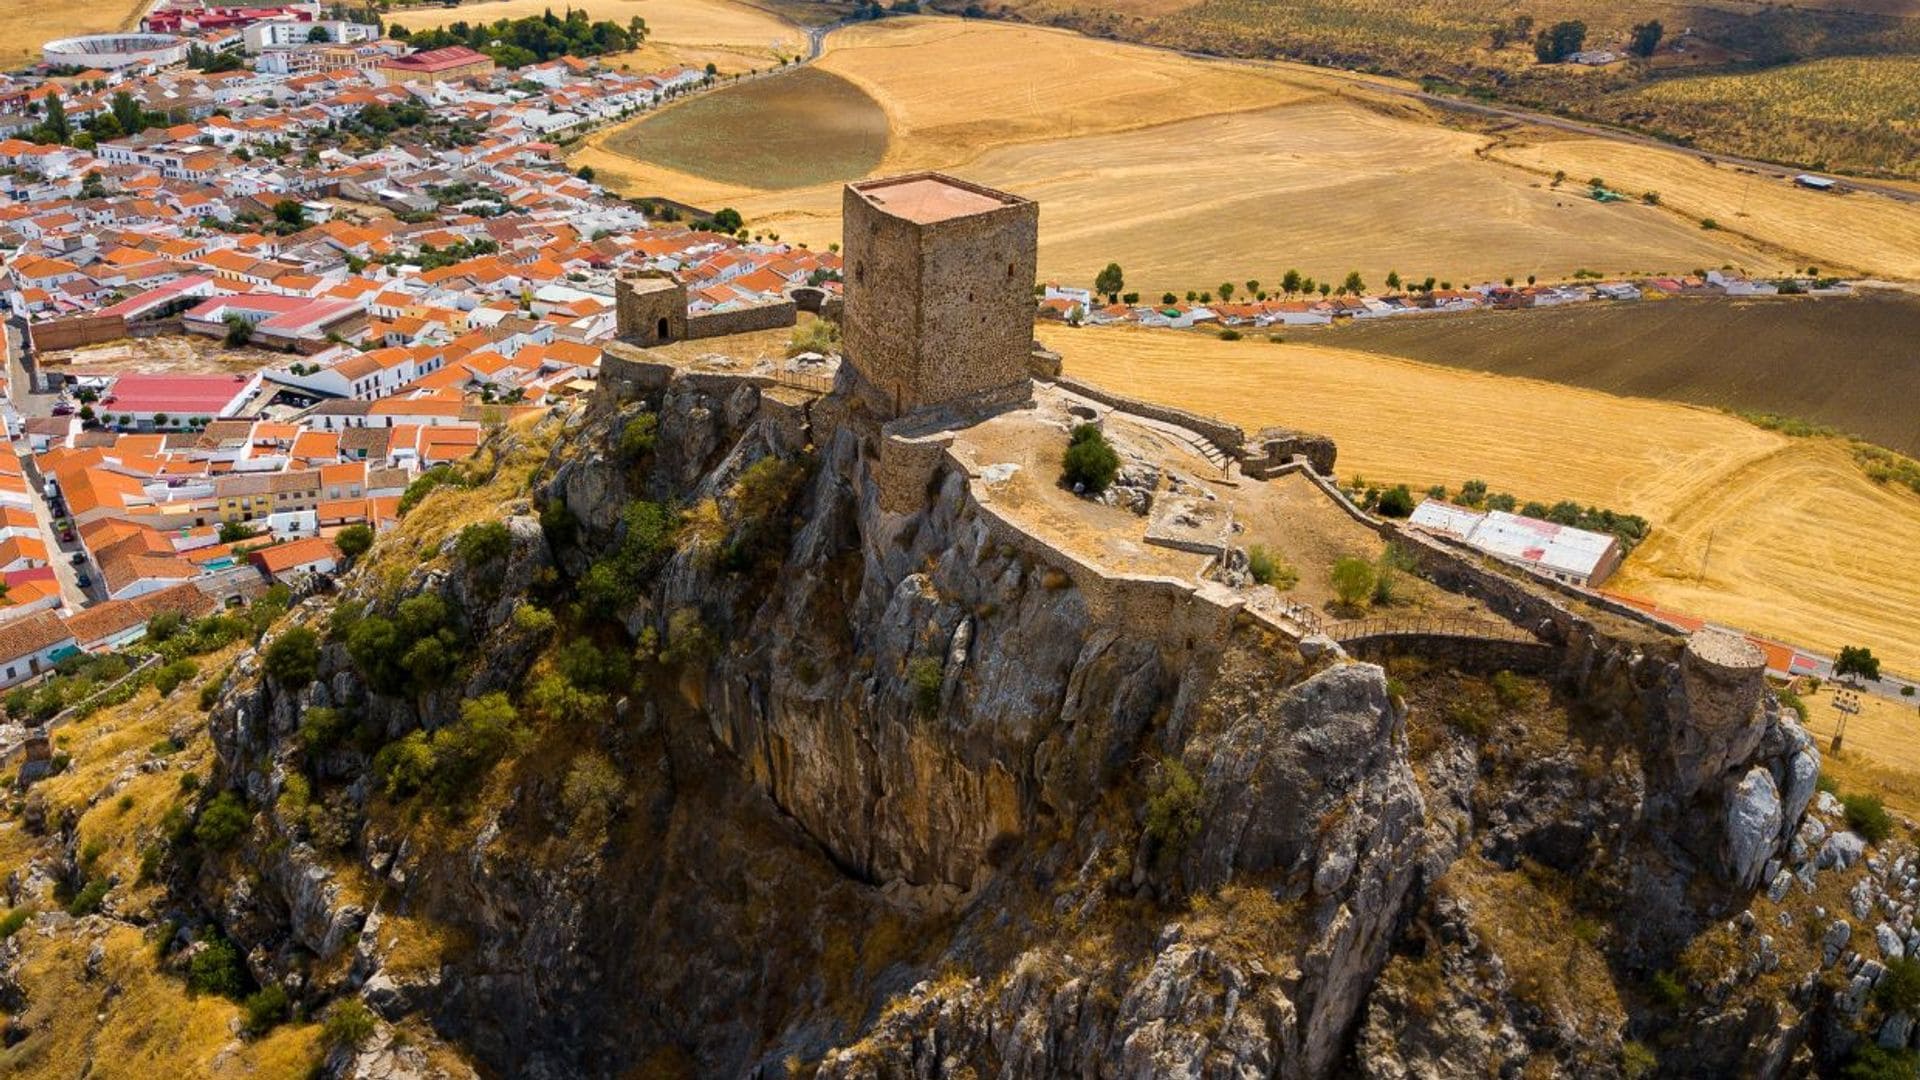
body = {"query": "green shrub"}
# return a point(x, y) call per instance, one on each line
point(168, 677)
point(323, 728)
point(594, 791)
point(1510, 689)
point(483, 543)
point(1173, 810)
point(1899, 989)
point(266, 1008)
point(354, 541)
point(688, 639)
point(1669, 991)
point(1469, 716)
point(349, 1023)
point(1267, 569)
point(11, 923)
point(924, 677)
point(1396, 502)
point(223, 822)
point(162, 627)
point(1353, 580)
point(1090, 462)
point(638, 436)
point(533, 620)
point(87, 900)
point(215, 969)
point(1229, 334)
point(593, 668)
point(1868, 816)
point(1637, 1060)
point(446, 763)
point(293, 659)
point(1871, 1062)
point(1793, 701)
point(424, 484)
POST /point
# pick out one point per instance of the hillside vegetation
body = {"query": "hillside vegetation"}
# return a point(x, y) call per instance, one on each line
point(1484, 48)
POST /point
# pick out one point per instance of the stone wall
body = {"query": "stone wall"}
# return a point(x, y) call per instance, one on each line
point(1222, 434)
point(1469, 654)
point(740, 320)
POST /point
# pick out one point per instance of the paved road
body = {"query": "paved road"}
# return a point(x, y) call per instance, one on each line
point(31, 404)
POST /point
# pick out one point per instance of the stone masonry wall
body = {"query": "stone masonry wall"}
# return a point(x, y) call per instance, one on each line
point(741, 320)
point(1222, 434)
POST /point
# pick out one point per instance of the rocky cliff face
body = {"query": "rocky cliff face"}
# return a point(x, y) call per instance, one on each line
point(885, 796)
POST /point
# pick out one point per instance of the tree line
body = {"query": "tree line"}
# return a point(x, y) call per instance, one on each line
point(514, 43)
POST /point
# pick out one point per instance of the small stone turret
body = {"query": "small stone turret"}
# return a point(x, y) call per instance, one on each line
point(650, 308)
point(1723, 719)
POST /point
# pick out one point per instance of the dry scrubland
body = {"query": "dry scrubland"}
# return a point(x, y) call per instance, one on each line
point(1841, 111)
point(1803, 545)
point(732, 36)
point(31, 25)
point(1185, 171)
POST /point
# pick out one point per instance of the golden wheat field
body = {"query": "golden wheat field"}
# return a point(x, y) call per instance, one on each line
point(31, 25)
point(1856, 231)
point(1190, 172)
point(732, 36)
point(1796, 542)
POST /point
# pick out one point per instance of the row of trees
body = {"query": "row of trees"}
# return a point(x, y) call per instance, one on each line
point(1112, 280)
point(514, 43)
point(1561, 40)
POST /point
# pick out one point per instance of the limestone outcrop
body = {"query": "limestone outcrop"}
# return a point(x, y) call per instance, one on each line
point(904, 793)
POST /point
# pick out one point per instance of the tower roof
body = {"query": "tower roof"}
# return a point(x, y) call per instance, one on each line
point(928, 198)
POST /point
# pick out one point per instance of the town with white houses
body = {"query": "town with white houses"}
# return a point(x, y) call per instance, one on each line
point(263, 267)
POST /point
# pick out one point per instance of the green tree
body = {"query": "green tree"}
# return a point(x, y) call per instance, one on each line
point(223, 822)
point(1646, 38)
point(1090, 462)
point(1290, 283)
point(318, 36)
point(1559, 41)
point(1110, 281)
point(354, 540)
point(1393, 281)
point(1857, 660)
point(1353, 286)
point(294, 657)
point(239, 332)
point(1396, 502)
point(585, 172)
point(92, 186)
point(56, 126)
point(1226, 291)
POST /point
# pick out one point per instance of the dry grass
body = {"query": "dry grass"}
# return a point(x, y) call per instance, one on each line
point(1850, 113)
point(1188, 171)
point(1883, 731)
point(1804, 547)
point(1856, 231)
point(732, 36)
point(135, 1021)
point(31, 25)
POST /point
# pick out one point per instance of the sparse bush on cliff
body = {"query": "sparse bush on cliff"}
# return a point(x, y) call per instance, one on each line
point(445, 764)
point(349, 1023)
point(814, 336)
point(688, 639)
point(1173, 810)
point(594, 791)
point(223, 822)
point(1090, 463)
point(294, 657)
point(483, 543)
point(924, 676)
point(1266, 568)
point(637, 438)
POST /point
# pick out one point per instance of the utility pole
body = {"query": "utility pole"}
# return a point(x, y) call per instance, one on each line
point(1705, 555)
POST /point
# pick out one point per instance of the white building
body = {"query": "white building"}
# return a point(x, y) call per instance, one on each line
point(1575, 556)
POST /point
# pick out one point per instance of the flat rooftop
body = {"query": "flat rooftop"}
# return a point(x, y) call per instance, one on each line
point(926, 199)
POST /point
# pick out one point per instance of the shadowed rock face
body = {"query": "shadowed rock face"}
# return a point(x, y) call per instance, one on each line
point(910, 818)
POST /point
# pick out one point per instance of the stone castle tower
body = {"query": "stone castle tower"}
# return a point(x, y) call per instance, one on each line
point(939, 292)
point(650, 307)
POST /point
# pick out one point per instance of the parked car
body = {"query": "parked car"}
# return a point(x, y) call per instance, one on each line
point(66, 536)
point(79, 558)
point(83, 581)
point(63, 409)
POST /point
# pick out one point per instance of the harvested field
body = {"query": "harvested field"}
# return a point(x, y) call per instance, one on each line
point(1844, 362)
point(1856, 231)
point(1186, 172)
point(813, 127)
point(732, 36)
point(1803, 546)
point(31, 25)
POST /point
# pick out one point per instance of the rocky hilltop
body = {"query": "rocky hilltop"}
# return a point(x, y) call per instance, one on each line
point(716, 759)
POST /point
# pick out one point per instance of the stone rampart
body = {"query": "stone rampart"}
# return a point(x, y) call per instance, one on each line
point(1222, 434)
point(711, 324)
